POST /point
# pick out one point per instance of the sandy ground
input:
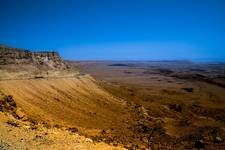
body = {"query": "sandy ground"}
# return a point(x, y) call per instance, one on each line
point(54, 104)
point(136, 107)
point(60, 100)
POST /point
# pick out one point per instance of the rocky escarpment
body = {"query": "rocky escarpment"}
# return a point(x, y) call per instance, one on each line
point(10, 55)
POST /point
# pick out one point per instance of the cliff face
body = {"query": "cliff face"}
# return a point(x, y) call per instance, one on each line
point(19, 56)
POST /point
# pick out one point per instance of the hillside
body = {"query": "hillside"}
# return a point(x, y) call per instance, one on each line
point(51, 96)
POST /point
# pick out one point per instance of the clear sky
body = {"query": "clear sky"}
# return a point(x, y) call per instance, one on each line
point(117, 29)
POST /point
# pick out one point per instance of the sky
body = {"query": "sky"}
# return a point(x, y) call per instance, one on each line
point(117, 29)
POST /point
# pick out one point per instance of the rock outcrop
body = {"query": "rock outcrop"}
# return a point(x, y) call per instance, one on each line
point(10, 55)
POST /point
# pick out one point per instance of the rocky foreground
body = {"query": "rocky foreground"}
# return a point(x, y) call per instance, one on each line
point(18, 131)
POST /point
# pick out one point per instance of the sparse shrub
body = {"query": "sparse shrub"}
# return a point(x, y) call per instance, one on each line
point(73, 129)
point(32, 120)
point(38, 77)
point(58, 126)
point(188, 89)
point(142, 128)
point(199, 144)
point(7, 104)
point(4, 145)
point(175, 107)
point(184, 122)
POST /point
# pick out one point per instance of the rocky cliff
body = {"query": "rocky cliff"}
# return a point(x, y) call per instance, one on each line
point(10, 55)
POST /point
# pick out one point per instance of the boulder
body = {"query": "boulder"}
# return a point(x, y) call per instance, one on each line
point(19, 113)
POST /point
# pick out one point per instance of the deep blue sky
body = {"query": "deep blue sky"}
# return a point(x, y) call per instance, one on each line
point(117, 29)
